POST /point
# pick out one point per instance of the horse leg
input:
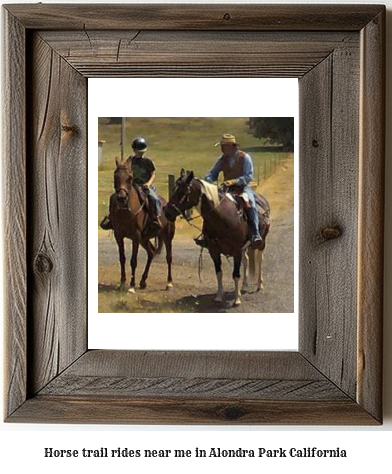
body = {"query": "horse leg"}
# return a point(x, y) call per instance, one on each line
point(121, 251)
point(260, 278)
point(150, 249)
point(245, 261)
point(236, 278)
point(135, 250)
point(216, 258)
point(168, 245)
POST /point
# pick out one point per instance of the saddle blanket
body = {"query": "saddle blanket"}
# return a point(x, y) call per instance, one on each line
point(210, 191)
point(212, 194)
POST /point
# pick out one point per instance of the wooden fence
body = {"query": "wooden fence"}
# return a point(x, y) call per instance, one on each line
point(268, 166)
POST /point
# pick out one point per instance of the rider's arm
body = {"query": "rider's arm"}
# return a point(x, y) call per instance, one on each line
point(213, 174)
point(149, 164)
point(247, 176)
point(151, 180)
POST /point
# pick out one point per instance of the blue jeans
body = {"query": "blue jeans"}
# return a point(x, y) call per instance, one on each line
point(252, 212)
point(154, 200)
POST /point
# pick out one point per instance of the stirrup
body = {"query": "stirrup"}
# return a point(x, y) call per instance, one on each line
point(156, 223)
point(201, 242)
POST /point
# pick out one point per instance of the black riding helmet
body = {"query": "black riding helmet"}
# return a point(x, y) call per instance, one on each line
point(139, 144)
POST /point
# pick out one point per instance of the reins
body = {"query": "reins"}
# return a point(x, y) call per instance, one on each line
point(129, 201)
point(189, 219)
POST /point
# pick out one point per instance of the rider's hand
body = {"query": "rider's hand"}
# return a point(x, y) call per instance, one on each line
point(229, 182)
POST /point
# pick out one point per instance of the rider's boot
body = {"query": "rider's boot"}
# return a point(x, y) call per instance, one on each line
point(155, 222)
point(106, 224)
point(256, 240)
point(154, 218)
point(201, 241)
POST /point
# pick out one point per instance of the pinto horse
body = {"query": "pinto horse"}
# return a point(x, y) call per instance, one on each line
point(225, 232)
point(130, 218)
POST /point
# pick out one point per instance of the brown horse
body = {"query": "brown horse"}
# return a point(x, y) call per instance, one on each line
point(130, 219)
point(224, 230)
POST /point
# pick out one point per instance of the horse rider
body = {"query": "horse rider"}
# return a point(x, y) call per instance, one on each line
point(142, 170)
point(237, 169)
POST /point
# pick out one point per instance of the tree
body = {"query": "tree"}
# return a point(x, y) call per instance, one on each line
point(278, 130)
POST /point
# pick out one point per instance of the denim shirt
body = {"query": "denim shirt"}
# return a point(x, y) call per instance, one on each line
point(244, 180)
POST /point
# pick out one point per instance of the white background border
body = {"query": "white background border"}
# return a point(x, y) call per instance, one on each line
point(189, 97)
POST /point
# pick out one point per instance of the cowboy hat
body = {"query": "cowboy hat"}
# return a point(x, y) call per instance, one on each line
point(227, 139)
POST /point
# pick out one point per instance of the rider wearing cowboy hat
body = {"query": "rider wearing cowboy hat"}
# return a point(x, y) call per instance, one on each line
point(237, 169)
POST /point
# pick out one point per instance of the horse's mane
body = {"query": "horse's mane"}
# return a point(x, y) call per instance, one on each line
point(121, 166)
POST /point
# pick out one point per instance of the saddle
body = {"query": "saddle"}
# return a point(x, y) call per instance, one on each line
point(152, 226)
point(143, 196)
point(237, 195)
point(243, 203)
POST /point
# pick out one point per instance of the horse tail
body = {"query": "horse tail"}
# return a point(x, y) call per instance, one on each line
point(252, 262)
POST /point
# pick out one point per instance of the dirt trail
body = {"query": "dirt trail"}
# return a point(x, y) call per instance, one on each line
point(193, 294)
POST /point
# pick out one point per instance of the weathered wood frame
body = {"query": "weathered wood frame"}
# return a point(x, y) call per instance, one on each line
point(337, 52)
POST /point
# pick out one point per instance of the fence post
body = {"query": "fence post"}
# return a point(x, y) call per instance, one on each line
point(100, 152)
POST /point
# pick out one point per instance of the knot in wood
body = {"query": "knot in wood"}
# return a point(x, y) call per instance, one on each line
point(232, 413)
point(315, 143)
point(69, 128)
point(328, 233)
point(43, 264)
point(227, 16)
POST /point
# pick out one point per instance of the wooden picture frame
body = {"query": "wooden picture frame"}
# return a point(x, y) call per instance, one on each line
point(337, 52)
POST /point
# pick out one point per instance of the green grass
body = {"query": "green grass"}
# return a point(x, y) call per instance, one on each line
point(173, 143)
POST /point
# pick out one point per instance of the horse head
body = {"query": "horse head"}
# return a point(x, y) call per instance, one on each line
point(122, 182)
point(185, 195)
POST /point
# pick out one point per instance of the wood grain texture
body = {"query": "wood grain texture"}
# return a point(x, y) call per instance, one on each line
point(14, 208)
point(197, 53)
point(194, 17)
point(57, 215)
point(208, 364)
point(107, 410)
point(206, 374)
point(371, 215)
point(329, 200)
point(193, 387)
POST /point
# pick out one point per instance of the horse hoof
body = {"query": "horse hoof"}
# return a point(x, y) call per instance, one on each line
point(131, 290)
point(169, 286)
point(218, 299)
point(260, 288)
point(236, 303)
point(143, 285)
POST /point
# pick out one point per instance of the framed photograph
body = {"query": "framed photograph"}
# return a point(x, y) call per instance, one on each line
point(52, 375)
point(189, 139)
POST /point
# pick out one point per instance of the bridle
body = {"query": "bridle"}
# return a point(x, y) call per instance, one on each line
point(182, 200)
point(126, 191)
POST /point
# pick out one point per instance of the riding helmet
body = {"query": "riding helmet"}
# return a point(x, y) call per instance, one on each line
point(139, 144)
